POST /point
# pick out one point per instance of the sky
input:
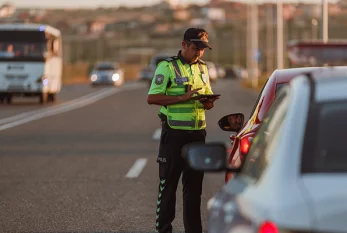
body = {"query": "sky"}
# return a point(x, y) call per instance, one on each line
point(116, 3)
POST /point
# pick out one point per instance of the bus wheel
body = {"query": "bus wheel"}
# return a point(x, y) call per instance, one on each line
point(43, 98)
point(51, 97)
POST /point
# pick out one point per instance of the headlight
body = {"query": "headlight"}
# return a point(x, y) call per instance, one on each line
point(93, 78)
point(115, 77)
point(43, 80)
point(210, 203)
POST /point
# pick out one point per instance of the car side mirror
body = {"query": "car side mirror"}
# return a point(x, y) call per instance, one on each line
point(232, 122)
point(205, 157)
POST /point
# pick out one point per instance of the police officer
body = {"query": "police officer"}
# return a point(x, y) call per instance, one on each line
point(175, 86)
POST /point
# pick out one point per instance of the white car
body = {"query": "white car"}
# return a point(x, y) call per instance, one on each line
point(294, 176)
point(147, 73)
point(107, 73)
point(212, 71)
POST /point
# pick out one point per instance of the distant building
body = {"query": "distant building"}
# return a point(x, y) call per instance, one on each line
point(311, 10)
point(213, 3)
point(334, 9)
point(173, 3)
point(342, 3)
point(96, 27)
point(37, 12)
point(181, 14)
point(7, 10)
point(162, 28)
point(198, 22)
point(214, 13)
point(169, 4)
point(288, 11)
point(80, 28)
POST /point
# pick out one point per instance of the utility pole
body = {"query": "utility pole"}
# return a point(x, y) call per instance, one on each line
point(255, 43)
point(279, 34)
point(324, 23)
point(269, 38)
point(213, 34)
point(252, 42)
point(248, 45)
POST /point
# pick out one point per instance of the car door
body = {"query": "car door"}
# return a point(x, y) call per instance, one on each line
point(255, 164)
point(324, 165)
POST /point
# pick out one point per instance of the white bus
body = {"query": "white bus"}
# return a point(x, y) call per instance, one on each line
point(30, 62)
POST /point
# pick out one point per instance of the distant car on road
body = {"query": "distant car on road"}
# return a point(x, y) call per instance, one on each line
point(292, 179)
point(212, 71)
point(235, 72)
point(220, 71)
point(147, 73)
point(107, 73)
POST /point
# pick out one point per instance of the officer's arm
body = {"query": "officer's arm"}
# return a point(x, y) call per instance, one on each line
point(161, 99)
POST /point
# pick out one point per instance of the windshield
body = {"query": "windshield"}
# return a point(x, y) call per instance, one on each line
point(14, 51)
point(22, 46)
point(104, 67)
point(279, 87)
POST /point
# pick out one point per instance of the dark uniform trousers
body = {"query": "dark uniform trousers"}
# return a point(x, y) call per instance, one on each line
point(171, 166)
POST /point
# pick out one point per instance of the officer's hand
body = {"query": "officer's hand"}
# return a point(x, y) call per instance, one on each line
point(205, 99)
point(189, 94)
point(208, 103)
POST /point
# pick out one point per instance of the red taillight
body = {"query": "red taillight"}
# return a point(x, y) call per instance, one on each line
point(268, 227)
point(245, 145)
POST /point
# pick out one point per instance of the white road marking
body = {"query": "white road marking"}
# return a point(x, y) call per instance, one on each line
point(23, 118)
point(156, 134)
point(31, 113)
point(137, 168)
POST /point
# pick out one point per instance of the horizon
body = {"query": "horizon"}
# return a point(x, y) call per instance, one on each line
point(129, 3)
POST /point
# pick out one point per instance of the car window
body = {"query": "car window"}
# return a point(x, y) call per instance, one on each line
point(104, 67)
point(279, 87)
point(257, 159)
point(328, 151)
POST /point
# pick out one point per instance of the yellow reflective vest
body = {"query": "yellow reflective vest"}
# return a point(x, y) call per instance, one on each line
point(189, 115)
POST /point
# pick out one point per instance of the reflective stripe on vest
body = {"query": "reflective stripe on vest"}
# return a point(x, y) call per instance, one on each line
point(186, 123)
point(187, 115)
point(177, 69)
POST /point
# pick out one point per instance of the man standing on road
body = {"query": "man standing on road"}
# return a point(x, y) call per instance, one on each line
point(176, 84)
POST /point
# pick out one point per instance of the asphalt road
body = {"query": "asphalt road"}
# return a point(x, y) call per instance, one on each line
point(64, 167)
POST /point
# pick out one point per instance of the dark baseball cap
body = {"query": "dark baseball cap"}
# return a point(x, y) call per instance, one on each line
point(198, 36)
